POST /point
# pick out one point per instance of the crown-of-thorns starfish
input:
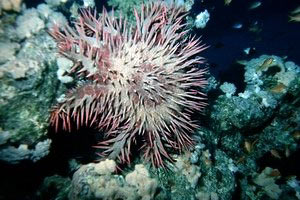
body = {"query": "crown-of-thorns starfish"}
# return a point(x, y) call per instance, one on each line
point(141, 81)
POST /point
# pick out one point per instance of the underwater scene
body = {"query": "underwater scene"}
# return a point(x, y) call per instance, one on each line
point(149, 99)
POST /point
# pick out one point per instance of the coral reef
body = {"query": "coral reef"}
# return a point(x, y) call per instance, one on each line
point(267, 181)
point(228, 88)
point(14, 155)
point(29, 23)
point(26, 93)
point(98, 181)
point(246, 148)
point(10, 5)
point(27, 88)
point(55, 185)
point(202, 19)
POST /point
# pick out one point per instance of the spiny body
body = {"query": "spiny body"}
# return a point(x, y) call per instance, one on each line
point(141, 81)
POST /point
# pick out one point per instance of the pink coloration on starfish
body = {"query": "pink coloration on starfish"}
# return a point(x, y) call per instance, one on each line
point(142, 82)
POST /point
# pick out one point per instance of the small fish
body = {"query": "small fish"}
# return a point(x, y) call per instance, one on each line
point(275, 173)
point(287, 152)
point(296, 11)
point(278, 88)
point(208, 162)
point(247, 50)
point(241, 160)
point(295, 18)
point(227, 2)
point(241, 62)
point(248, 146)
point(254, 5)
point(275, 153)
point(267, 63)
point(255, 27)
point(237, 26)
point(296, 135)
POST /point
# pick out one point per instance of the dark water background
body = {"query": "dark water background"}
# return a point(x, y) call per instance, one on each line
point(278, 36)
